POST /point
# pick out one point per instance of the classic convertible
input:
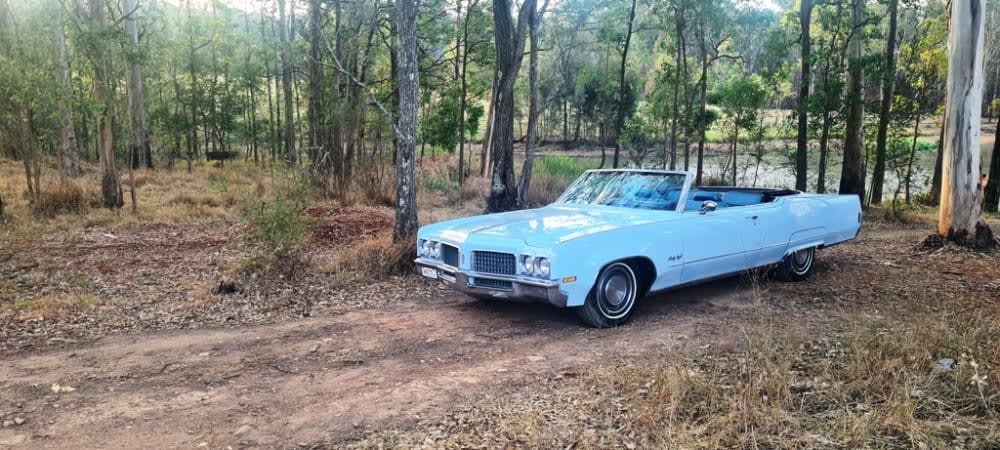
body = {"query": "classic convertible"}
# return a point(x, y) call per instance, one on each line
point(615, 236)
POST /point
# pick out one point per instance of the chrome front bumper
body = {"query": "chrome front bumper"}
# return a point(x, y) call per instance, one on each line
point(522, 289)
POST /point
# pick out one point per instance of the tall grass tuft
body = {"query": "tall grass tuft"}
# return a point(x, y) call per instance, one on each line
point(551, 175)
point(279, 230)
point(63, 198)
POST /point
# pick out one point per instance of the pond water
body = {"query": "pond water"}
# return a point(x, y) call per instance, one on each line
point(775, 169)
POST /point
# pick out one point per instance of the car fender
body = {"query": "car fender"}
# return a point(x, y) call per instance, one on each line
point(583, 258)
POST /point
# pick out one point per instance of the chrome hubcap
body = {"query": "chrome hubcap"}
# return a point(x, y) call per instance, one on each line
point(617, 291)
point(802, 260)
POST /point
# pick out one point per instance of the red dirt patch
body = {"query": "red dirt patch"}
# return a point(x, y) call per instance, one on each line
point(338, 225)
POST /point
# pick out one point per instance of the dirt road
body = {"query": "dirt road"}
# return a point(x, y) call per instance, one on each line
point(323, 380)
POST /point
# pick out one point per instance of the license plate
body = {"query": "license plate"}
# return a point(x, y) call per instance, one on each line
point(429, 272)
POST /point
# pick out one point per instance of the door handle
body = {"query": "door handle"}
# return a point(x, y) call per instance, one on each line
point(752, 217)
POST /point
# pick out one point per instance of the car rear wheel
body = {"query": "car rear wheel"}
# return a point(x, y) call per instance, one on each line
point(613, 297)
point(797, 265)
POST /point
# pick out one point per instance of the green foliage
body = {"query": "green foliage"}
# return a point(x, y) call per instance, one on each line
point(741, 100)
point(564, 167)
point(440, 128)
point(638, 138)
point(596, 95)
point(279, 229)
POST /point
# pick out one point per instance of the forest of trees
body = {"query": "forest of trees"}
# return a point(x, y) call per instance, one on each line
point(350, 92)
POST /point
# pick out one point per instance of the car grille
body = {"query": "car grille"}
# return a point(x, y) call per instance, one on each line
point(449, 255)
point(493, 284)
point(494, 262)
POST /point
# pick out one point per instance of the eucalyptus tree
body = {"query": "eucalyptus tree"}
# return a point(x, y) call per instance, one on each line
point(68, 155)
point(139, 147)
point(510, 36)
point(827, 101)
point(406, 129)
point(620, 118)
point(93, 33)
point(991, 199)
point(960, 214)
point(888, 83)
point(922, 66)
point(741, 100)
point(805, 81)
point(531, 139)
point(285, 56)
point(712, 25)
point(852, 175)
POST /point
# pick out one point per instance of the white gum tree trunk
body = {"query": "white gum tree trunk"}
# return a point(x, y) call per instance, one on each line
point(960, 215)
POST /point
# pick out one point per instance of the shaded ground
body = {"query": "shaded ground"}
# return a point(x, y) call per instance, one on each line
point(390, 368)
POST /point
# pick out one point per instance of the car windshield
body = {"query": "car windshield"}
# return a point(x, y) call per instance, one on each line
point(628, 189)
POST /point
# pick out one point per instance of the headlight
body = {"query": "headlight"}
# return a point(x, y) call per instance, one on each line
point(544, 267)
point(425, 248)
point(535, 266)
point(528, 263)
point(436, 249)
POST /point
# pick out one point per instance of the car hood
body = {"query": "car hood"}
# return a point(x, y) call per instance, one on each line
point(546, 226)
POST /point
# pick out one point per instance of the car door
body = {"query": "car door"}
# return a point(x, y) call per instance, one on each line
point(765, 235)
point(713, 243)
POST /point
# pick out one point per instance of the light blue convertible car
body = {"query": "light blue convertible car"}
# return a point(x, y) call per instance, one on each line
point(615, 236)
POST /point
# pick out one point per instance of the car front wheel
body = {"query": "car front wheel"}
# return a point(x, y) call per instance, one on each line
point(797, 265)
point(613, 297)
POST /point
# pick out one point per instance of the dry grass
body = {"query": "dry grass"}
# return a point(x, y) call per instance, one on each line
point(164, 196)
point(57, 306)
point(873, 387)
point(61, 198)
point(376, 257)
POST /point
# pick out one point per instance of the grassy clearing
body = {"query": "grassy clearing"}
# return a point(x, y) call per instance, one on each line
point(164, 196)
point(871, 387)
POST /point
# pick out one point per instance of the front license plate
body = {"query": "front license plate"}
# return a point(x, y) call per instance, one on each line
point(429, 272)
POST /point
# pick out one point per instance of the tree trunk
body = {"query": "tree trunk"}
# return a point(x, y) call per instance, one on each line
point(318, 153)
point(620, 119)
point(913, 154)
point(703, 99)
point(993, 186)
point(529, 144)
point(852, 175)
point(960, 215)
point(802, 143)
point(68, 157)
point(111, 190)
point(675, 109)
point(934, 196)
point(286, 84)
point(736, 140)
point(824, 153)
point(463, 101)
point(409, 96)
point(510, 39)
point(138, 134)
point(888, 83)
point(677, 83)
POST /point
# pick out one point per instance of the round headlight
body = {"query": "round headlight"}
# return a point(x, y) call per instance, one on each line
point(425, 248)
point(528, 263)
point(436, 249)
point(544, 267)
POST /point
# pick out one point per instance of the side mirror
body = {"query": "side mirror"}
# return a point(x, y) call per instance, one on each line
point(708, 206)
